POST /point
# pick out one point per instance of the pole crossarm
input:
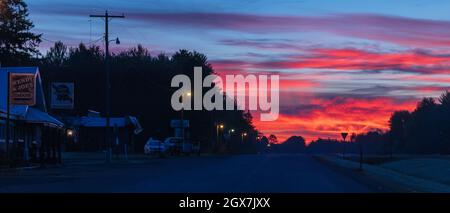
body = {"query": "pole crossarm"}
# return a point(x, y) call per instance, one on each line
point(107, 16)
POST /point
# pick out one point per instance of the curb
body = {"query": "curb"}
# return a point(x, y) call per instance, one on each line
point(18, 169)
point(399, 181)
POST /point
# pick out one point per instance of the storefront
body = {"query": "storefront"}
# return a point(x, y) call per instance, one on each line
point(34, 136)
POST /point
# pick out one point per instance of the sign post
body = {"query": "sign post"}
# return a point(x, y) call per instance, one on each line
point(344, 135)
point(21, 90)
point(353, 139)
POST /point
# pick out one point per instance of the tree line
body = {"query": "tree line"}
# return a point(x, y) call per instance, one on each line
point(140, 86)
point(424, 130)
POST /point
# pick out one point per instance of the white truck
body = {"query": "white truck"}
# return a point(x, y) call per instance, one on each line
point(176, 146)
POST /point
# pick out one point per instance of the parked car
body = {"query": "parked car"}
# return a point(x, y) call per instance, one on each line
point(173, 145)
point(155, 147)
point(176, 146)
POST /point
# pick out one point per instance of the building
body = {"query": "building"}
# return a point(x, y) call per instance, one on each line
point(35, 136)
point(88, 133)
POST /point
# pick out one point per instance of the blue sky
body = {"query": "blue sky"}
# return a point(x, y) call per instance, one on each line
point(69, 20)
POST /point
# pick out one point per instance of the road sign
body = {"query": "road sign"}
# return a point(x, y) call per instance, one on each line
point(177, 123)
point(344, 135)
point(62, 95)
point(22, 89)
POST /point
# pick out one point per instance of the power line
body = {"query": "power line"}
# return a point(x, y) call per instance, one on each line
point(88, 43)
point(96, 40)
point(48, 40)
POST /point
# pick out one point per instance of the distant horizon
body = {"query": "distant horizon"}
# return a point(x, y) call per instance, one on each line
point(343, 66)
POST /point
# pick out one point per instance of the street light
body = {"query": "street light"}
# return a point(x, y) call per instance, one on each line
point(230, 132)
point(244, 134)
point(188, 94)
point(218, 127)
point(69, 132)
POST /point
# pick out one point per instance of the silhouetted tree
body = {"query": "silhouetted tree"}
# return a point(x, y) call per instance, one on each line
point(397, 125)
point(324, 146)
point(444, 122)
point(425, 130)
point(57, 55)
point(422, 130)
point(373, 142)
point(17, 42)
point(273, 139)
point(294, 144)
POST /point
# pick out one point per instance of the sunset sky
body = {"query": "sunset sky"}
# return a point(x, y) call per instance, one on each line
point(343, 65)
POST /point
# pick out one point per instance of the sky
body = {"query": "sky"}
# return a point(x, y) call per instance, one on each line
point(344, 66)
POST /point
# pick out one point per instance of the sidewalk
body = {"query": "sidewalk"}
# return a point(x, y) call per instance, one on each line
point(407, 181)
point(71, 159)
point(92, 159)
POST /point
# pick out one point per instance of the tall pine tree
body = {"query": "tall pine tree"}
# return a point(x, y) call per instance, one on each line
point(17, 42)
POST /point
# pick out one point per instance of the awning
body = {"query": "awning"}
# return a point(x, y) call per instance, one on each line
point(33, 115)
point(36, 116)
point(88, 121)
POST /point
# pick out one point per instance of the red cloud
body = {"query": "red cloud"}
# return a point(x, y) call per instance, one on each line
point(329, 117)
point(349, 59)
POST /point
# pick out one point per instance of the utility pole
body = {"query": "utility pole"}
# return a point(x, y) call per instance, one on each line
point(182, 121)
point(7, 115)
point(188, 94)
point(107, 17)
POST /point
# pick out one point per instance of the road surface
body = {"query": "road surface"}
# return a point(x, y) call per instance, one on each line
point(243, 173)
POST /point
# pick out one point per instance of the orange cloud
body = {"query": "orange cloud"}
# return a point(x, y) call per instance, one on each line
point(329, 117)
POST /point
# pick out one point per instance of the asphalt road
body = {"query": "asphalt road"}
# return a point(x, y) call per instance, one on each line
point(245, 173)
